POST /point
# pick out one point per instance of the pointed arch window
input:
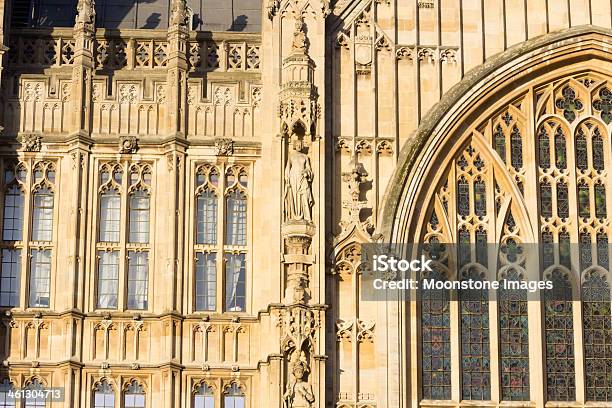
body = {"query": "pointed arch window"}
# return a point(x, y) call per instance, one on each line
point(234, 397)
point(543, 149)
point(516, 148)
point(560, 149)
point(110, 216)
point(36, 399)
point(104, 396)
point(545, 199)
point(134, 395)
point(562, 200)
point(204, 396)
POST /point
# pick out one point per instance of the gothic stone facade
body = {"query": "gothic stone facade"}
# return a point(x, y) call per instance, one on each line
point(182, 211)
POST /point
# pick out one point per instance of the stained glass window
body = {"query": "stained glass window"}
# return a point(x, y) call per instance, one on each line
point(560, 150)
point(604, 104)
point(562, 200)
point(545, 199)
point(565, 256)
point(516, 148)
point(548, 255)
point(500, 142)
point(597, 337)
point(584, 209)
point(481, 247)
point(581, 151)
point(598, 150)
point(463, 197)
point(584, 247)
point(543, 149)
point(480, 198)
point(463, 256)
point(559, 333)
point(475, 352)
point(568, 103)
point(514, 341)
point(600, 200)
point(435, 344)
point(602, 250)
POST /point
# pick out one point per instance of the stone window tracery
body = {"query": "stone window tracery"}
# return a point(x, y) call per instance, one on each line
point(220, 248)
point(568, 153)
point(123, 247)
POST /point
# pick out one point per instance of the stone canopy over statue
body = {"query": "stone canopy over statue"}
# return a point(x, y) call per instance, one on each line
point(298, 185)
point(85, 12)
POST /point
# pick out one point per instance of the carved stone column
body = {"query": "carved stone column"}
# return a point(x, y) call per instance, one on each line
point(84, 35)
point(176, 86)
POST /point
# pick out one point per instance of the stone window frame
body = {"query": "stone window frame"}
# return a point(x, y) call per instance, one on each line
point(222, 191)
point(125, 187)
point(27, 244)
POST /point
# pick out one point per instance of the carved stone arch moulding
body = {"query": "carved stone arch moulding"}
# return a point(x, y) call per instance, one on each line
point(521, 71)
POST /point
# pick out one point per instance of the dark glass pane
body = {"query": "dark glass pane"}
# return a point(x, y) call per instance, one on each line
point(600, 200)
point(545, 200)
point(562, 200)
point(500, 142)
point(602, 250)
point(480, 198)
point(584, 209)
point(463, 198)
point(598, 151)
point(543, 149)
point(516, 148)
point(581, 151)
point(548, 256)
point(560, 150)
point(565, 256)
point(585, 255)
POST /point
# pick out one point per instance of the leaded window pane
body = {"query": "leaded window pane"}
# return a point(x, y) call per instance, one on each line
point(598, 151)
point(206, 281)
point(560, 150)
point(110, 216)
point(475, 352)
point(585, 251)
point(565, 256)
point(134, 396)
point(482, 253)
point(206, 227)
point(108, 279)
point(236, 218)
point(600, 201)
point(584, 208)
point(548, 254)
point(40, 278)
point(480, 198)
point(235, 282)
point(545, 200)
point(514, 341)
point(12, 227)
point(138, 279)
point(463, 198)
point(6, 400)
point(435, 342)
point(562, 200)
point(597, 337)
point(543, 149)
point(516, 149)
point(581, 151)
point(500, 142)
point(602, 250)
point(559, 333)
point(42, 215)
point(9, 277)
point(139, 217)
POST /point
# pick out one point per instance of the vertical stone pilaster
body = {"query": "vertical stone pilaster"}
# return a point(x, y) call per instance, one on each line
point(84, 34)
point(177, 68)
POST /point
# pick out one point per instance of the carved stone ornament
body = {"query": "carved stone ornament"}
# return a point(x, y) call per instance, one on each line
point(224, 147)
point(31, 143)
point(299, 392)
point(298, 185)
point(300, 41)
point(128, 144)
point(179, 13)
point(86, 13)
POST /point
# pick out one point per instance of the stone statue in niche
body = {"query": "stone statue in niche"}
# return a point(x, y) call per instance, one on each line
point(179, 13)
point(299, 393)
point(300, 41)
point(85, 12)
point(298, 185)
